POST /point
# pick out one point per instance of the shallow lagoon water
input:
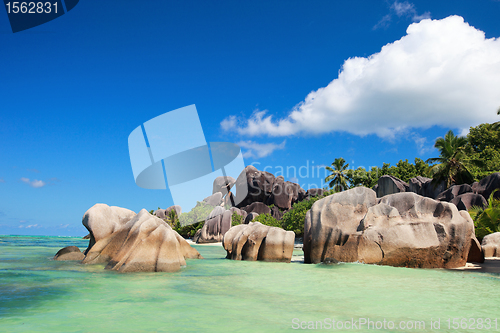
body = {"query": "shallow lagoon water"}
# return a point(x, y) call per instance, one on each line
point(38, 294)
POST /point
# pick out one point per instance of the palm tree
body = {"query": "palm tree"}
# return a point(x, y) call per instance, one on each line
point(496, 125)
point(338, 179)
point(486, 220)
point(451, 163)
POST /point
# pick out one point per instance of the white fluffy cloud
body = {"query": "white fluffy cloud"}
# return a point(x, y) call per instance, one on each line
point(443, 72)
point(258, 150)
point(33, 183)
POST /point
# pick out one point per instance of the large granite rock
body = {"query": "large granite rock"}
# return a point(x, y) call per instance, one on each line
point(487, 185)
point(491, 245)
point(389, 185)
point(314, 192)
point(69, 253)
point(467, 200)
point(257, 207)
point(425, 187)
point(284, 194)
point(476, 253)
point(402, 229)
point(453, 192)
point(102, 220)
point(164, 213)
point(257, 185)
point(216, 225)
point(255, 241)
point(223, 184)
point(214, 200)
point(143, 244)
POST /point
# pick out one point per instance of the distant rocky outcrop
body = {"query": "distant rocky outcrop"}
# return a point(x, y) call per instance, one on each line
point(454, 191)
point(69, 253)
point(102, 220)
point(257, 184)
point(314, 192)
point(425, 187)
point(401, 229)
point(255, 241)
point(467, 200)
point(487, 185)
point(389, 185)
point(284, 194)
point(257, 207)
point(216, 225)
point(223, 185)
point(263, 187)
point(145, 243)
point(164, 213)
point(491, 245)
point(214, 200)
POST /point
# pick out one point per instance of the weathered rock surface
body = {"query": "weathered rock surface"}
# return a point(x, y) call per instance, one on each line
point(259, 185)
point(214, 200)
point(255, 241)
point(453, 192)
point(476, 253)
point(216, 225)
point(144, 244)
point(223, 184)
point(276, 213)
point(257, 207)
point(402, 229)
point(467, 200)
point(423, 186)
point(487, 185)
point(69, 253)
point(163, 213)
point(102, 220)
point(390, 185)
point(284, 194)
point(314, 192)
point(491, 245)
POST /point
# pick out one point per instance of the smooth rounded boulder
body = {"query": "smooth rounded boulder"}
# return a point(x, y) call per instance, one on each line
point(467, 200)
point(255, 241)
point(102, 220)
point(69, 253)
point(144, 244)
point(491, 245)
point(389, 185)
point(402, 229)
point(487, 185)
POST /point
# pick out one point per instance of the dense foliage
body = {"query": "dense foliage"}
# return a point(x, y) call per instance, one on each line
point(236, 219)
point(483, 144)
point(267, 219)
point(293, 220)
point(486, 220)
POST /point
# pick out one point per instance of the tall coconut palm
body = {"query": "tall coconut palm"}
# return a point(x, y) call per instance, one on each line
point(451, 163)
point(338, 179)
point(496, 125)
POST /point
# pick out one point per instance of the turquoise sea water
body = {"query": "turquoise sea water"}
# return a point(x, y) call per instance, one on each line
point(38, 294)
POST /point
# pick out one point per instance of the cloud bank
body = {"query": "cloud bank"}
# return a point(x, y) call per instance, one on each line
point(259, 150)
point(443, 72)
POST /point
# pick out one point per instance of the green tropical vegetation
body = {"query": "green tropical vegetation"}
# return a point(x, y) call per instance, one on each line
point(236, 219)
point(267, 219)
point(486, 220)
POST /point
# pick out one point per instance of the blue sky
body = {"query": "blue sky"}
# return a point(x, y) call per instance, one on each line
point(73, 89)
